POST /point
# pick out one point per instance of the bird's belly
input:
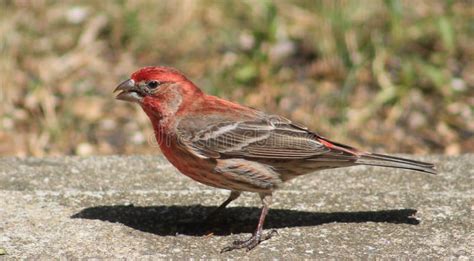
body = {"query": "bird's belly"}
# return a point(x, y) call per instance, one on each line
point(197, 169)
point(200, 170)
point(226, 174)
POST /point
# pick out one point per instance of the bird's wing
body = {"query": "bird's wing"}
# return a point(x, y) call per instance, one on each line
point(265, 138)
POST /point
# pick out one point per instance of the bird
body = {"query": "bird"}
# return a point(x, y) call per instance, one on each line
point(229, 146)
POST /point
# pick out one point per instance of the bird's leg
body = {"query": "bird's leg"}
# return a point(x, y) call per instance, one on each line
point(258, 235)
point(233, 196)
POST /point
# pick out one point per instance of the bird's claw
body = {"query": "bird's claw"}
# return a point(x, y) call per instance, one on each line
point(250, 243)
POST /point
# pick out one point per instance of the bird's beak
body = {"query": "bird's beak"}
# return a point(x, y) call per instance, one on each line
point(128, 92)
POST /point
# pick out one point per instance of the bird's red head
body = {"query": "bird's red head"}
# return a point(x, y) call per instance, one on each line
point(152, 82)
point(159, 73)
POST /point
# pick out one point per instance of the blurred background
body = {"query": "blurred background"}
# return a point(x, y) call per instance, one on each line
point(390, 76)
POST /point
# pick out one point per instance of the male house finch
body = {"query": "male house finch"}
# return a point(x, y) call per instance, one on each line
point(226, 145)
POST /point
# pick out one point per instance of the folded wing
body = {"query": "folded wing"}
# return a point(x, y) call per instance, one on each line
point(264, 138)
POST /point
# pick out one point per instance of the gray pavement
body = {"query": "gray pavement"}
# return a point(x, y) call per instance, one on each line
point(139, 207)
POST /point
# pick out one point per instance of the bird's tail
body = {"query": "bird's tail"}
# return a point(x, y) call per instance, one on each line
point(381, 160)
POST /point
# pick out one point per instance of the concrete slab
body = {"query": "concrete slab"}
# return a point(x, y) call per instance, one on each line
point(139, 207)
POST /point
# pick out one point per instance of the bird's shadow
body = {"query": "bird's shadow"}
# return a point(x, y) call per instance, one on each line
point(189, 220)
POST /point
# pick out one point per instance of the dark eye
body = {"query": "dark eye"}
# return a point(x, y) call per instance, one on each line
point(153, 84)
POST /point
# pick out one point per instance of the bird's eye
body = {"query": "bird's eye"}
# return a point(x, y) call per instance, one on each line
point(153, 84)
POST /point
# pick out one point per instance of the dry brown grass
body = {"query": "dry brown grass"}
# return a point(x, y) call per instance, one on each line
point(391, 76)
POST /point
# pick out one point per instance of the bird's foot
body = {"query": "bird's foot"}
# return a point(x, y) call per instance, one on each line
point(250, 243)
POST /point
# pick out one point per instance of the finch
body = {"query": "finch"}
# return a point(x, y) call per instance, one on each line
point(229, 146)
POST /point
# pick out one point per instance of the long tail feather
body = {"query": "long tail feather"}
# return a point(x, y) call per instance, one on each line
point(381, 160)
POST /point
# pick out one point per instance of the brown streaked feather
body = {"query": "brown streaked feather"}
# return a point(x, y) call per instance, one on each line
point(291, 150)
point(252, 139)
point(248, 175)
